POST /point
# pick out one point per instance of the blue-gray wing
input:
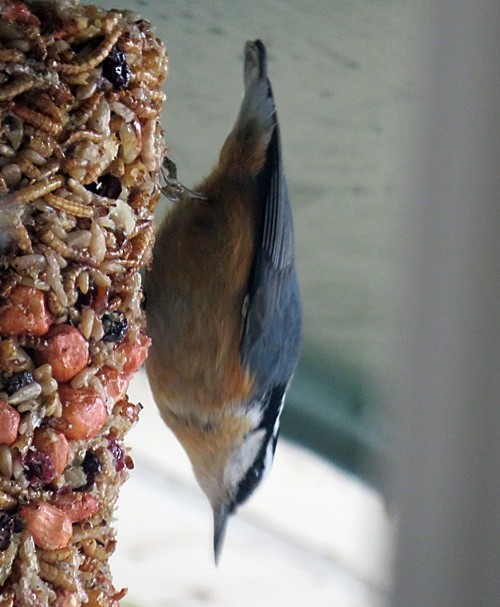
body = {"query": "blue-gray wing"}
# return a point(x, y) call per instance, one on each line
point(272, 315)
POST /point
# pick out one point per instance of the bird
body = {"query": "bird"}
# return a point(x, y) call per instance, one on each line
point(223, 306)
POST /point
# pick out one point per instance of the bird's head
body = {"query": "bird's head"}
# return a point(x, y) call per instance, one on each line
point(231, 452)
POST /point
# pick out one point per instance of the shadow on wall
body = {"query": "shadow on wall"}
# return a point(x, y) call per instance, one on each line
point(332, 408)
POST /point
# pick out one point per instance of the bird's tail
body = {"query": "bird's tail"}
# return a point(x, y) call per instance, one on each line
point(245, 149)
point(255, 62)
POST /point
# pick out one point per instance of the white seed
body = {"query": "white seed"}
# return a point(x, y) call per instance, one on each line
point(97, 246)
point(25, 393)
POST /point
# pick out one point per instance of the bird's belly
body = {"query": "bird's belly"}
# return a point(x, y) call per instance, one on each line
point(195, 360)
point(195, 324)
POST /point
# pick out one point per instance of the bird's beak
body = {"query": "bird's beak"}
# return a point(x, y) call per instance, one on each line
point(221, 516)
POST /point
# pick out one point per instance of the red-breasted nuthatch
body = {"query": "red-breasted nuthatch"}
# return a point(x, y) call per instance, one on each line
point(223, 307)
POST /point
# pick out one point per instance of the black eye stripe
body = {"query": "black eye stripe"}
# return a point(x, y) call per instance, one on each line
point(251, 480)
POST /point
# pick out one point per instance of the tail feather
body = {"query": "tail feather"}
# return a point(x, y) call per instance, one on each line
point(255, 62)
point(245, 149)
point(257, 112)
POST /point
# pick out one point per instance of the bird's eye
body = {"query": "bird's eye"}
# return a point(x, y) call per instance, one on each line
point(250, 482)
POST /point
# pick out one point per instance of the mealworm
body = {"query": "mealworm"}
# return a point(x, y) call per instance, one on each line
point(109, 22)
point(50, 168)
point(28, 168)
point(108, 151)
point(140, 245)
point(86, 529)
point(140, 200)
point(69, 206)
point(48, 237)
point(144, 109)
point(20, 85)
point(54, 556)
point(39, 189)
point(144, 78)
point(86, 109)
point(42, 102)
point(57, 576)
point(93, 550)
point(40, 121)
point(7, 501)
point(20, 233)
point(43, 143)
point(93, 58)
point(81, 136)
point(10, 487)
point(70, 277)
point(55, 305)
point(122, 251)
point(60, 93)
point(117, 167)
point(137, 199)
point(11, 55)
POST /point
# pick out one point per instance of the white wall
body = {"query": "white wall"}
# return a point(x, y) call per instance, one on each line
point(447, 365)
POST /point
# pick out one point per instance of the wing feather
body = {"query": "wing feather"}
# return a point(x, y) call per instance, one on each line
point(272, 317)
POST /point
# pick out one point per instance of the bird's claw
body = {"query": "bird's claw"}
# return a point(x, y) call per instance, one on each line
point(173, 189)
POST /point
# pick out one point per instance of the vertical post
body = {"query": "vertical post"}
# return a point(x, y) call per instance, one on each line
point(448, 406)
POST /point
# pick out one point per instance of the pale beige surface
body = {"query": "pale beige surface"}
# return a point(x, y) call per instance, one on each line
point(310, 536)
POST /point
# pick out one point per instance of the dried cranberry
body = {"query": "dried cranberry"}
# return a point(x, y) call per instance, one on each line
point(115, 68)
point(115, 326)
point(92, 467)
point(18, 524)
point(18, 381)
point(107, 185)
point(117, 452)
point(39, 468)
point(6, 531)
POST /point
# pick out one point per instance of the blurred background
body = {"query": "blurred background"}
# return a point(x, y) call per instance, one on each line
point(364, 89)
